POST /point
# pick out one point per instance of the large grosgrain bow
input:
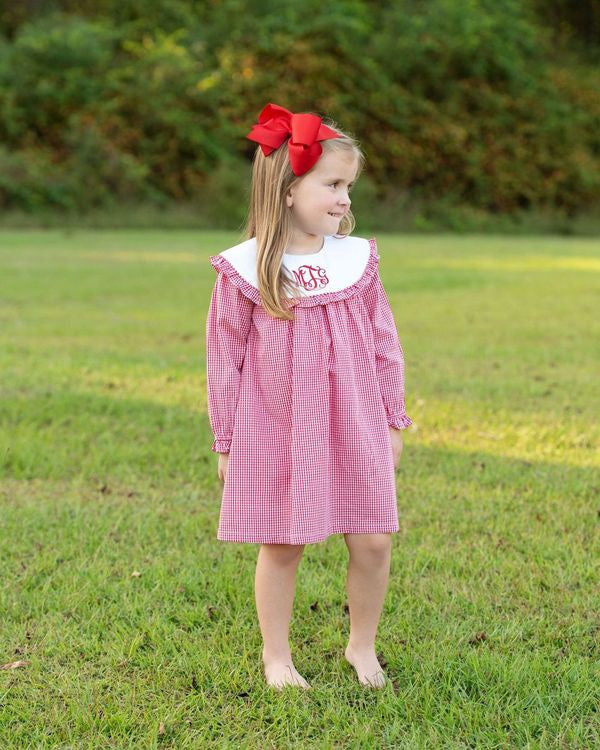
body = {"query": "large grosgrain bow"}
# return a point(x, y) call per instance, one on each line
point(276, 123)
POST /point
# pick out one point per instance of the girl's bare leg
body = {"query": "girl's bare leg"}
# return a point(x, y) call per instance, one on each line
point(274, 590)
point(368, 573)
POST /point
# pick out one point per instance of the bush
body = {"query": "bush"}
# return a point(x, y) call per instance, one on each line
point(456, 104)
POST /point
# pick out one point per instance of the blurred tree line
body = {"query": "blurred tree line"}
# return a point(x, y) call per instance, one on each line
point(490, 104)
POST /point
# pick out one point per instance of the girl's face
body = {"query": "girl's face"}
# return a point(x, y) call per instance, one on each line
point(320, 198)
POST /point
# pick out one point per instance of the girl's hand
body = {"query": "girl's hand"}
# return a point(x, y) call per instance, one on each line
point(222, 465)
point(397, 445)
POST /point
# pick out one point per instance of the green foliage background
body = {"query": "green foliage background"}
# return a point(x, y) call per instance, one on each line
point(485, 106)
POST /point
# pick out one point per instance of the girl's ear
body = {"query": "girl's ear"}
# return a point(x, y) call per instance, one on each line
point(289, 198)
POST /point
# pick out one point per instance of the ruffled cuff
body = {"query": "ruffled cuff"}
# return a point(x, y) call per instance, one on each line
point(221, 446)
point(400, 422)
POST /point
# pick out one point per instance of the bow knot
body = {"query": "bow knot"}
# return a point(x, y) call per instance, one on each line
point(303, 131)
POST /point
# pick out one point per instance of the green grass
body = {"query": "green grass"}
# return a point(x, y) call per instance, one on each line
point(490, 631)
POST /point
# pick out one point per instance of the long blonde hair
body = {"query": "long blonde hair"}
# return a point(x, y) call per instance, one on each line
point(270, 222)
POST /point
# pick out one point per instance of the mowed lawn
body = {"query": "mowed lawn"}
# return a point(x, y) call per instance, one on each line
point(136, 628)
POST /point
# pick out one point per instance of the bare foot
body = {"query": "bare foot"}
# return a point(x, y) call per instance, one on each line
point(280, 673)
point(367, 666)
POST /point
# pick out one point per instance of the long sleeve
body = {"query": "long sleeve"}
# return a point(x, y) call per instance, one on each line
point(389, 357)
point(227, 326)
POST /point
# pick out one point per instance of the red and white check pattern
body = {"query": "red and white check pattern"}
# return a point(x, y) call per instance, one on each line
point(303, 408)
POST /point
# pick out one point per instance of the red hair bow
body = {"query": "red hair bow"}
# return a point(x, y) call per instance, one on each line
point(276, 123)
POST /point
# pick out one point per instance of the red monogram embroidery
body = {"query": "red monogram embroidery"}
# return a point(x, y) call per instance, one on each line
point(311, 277)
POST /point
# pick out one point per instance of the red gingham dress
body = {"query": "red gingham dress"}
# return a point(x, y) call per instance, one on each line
point(303, 407)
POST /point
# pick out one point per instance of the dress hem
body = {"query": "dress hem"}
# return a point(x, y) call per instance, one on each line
point(312, 540)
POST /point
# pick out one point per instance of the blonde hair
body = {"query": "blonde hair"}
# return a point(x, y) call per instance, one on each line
point(270, 222)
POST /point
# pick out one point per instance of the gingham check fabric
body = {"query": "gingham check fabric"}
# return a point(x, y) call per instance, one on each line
point(304, 407)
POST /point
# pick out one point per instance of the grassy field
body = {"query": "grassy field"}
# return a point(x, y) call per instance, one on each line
point(137, 627)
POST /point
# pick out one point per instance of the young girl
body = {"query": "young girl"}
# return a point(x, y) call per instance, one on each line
point(305, 379)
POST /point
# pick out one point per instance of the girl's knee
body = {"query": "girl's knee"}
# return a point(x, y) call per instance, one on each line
point(284, 553)
point(373, 546)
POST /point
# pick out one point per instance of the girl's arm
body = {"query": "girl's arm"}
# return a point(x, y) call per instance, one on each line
point(389, 357)
point(227, 326)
